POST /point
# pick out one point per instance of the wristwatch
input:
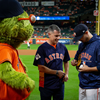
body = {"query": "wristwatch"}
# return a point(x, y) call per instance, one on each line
point(57, 72)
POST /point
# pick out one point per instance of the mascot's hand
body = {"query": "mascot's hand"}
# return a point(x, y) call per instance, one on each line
point(30, 85)
point(15, 79)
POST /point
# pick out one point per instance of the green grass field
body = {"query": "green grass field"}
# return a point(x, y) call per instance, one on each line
point(71, 86)
point(35, 47)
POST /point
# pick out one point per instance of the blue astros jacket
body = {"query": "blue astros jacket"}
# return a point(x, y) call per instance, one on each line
point(90, 54)
point(52, 58)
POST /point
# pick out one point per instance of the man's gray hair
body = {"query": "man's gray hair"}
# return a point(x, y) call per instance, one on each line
point(53, 27)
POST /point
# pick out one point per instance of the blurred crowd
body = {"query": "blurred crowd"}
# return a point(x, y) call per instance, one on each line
point(73, 9)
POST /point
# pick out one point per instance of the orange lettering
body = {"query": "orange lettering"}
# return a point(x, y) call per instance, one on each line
point(47, 60)
point(84, 55)
point(61, 56)
point(51, 58)
point(57, 55)
point(53, 55)
point(89, 57)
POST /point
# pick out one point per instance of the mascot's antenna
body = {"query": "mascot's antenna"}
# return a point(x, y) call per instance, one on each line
point(31, 18)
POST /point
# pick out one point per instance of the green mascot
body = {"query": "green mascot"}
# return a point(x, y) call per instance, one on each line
point(14, 81)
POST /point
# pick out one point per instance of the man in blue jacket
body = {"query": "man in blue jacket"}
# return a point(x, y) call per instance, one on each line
point(87, 62)
point(50, 58)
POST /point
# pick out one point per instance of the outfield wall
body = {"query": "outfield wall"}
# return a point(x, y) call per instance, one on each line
point(42, 40)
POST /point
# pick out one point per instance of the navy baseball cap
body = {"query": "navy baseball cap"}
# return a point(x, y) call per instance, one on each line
point(10, 8)
point(79, 30)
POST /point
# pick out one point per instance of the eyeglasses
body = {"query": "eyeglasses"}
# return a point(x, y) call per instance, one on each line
point(31, 18)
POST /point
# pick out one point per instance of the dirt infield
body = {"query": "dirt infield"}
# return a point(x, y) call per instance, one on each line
point(32, 52)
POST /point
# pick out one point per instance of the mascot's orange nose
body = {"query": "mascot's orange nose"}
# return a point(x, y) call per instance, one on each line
point(31, 18)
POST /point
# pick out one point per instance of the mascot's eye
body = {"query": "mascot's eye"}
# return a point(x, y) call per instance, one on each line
point(31, 18)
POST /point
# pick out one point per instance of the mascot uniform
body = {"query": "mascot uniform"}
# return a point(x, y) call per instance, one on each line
point(14, 82)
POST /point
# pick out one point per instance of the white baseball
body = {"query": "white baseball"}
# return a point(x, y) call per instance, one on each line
point(81, 66)
point(33, 18)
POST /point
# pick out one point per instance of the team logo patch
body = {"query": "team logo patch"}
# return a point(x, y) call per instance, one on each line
point(37, 56)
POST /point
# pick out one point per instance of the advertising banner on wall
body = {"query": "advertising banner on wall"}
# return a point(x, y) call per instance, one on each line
point(29, 3)
point(40, 41)
point(47, 3)
point(63, 41)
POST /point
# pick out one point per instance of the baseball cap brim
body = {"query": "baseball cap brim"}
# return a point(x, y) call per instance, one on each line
point(77, 38)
